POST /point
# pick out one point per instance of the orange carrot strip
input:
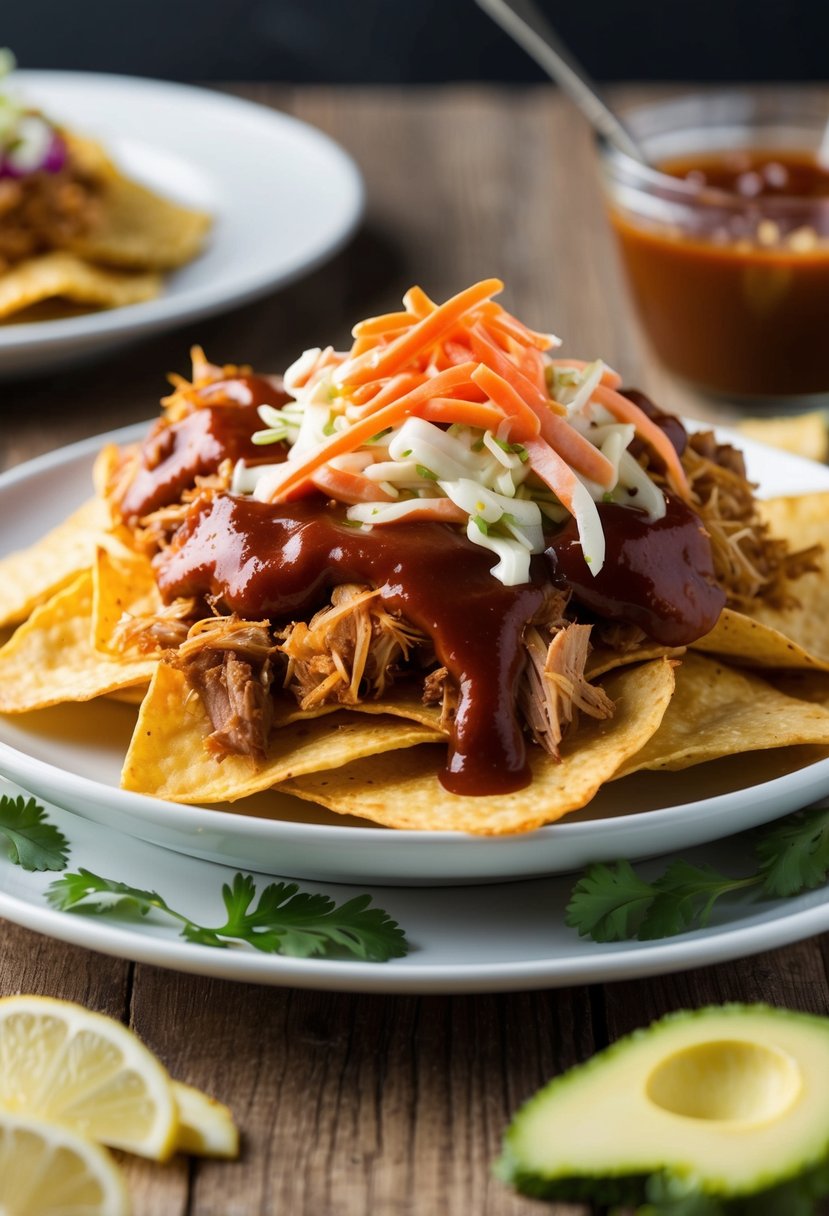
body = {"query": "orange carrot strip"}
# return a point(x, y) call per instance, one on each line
point(346, 486)
point(498, 318)
point(524, 421)
point(610, 378)
point(490, 353)
point(373, 327)
point(465, 413)
point(378, 420)
point(416, 302)
point(553, 471)
point(623, 409)
point(424, 334)
point(377, 393)
point(565, 439)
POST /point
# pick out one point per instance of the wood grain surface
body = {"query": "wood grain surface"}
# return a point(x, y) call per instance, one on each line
point(350, 1104)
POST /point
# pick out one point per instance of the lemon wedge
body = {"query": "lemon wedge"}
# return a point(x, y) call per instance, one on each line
point(64, 1064)
point(48, 1170)
point(205, 1126)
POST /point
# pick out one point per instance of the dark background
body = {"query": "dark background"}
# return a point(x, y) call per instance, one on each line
point(416, 41)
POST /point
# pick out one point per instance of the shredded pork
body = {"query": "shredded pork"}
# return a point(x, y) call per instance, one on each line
point(749, 563)
point(349, 651)
point(229, 663)
point(554, 688)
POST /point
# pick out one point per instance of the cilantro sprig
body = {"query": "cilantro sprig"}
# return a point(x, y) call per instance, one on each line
point(612, 903)
point(283, 920)
point(30, 840)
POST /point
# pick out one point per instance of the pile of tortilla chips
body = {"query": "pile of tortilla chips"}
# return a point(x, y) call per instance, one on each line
point(118, 261)
point(755, 682)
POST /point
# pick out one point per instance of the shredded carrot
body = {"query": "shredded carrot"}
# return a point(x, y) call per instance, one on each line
point(553, 471)
point(623, 409)
point(378, 420)
point(489, 353)
point(346, 486)
point(372, 396)
point(610, 378)
point(374, 365)
point(559, 434)
point(418, 303)
point(524, 421)
point(465, 413)
point(378, 327)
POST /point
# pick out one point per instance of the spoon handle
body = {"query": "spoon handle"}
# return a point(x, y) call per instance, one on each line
point(529, 28)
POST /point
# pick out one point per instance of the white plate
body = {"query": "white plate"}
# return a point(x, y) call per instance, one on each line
point(471, 939)
point(283, 197)
point(72, 756)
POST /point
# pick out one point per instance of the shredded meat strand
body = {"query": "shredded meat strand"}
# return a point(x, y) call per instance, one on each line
point(229, 663)
point(749, 563)
point(437, 687)
point(349, 651)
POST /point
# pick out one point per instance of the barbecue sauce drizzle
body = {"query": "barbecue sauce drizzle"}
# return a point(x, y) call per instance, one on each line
point(281, 561)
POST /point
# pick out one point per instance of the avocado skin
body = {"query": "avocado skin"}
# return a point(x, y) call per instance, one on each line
point(663, 1193)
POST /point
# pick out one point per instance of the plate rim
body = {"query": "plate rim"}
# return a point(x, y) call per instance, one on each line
point(755, 932)
point(168, 311)
point(248, 827)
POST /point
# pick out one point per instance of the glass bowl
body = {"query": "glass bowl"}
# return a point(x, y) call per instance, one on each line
point(731, 282)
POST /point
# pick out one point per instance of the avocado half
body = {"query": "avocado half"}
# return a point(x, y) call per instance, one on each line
point(728, 1106)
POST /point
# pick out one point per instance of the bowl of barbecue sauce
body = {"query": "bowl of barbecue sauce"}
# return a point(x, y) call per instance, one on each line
point(724, 237)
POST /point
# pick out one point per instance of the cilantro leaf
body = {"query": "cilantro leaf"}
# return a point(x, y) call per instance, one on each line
point(33, 842)
point(685, 897)
point(609, 903)
point(282, 920)
point(794, 854)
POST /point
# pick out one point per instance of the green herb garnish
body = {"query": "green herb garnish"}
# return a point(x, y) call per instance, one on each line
point(32, 842)
point(425, 473)
point(285, 920)
point(611, 903)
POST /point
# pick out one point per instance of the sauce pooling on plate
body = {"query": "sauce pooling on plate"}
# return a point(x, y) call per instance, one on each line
point(732, 286)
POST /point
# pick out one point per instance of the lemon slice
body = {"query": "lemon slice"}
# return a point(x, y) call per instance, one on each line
point(205, 1126)
point(48, 1170)
point(65, 1064)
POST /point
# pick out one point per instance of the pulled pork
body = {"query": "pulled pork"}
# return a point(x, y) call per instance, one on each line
point(44, 211)
point(749, 563)
point(349, 651)
point(229, 663)
point(554, 688)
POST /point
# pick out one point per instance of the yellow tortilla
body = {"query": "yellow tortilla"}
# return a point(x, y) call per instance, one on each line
point(719, 711)
point(402, 790)
point(167, 756)
point(29, 576)
point(68, 277)
point(50, 659)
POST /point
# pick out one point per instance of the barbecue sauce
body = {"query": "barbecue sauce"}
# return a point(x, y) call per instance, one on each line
point(734, 298)
point(173, 455)
point(281, 560)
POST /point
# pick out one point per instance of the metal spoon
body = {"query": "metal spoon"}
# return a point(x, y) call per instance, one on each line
point(529, 28)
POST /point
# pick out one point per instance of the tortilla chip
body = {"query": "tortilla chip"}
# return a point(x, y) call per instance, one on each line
point(719, 711)
point(753, 643)
point(603, 659)
point(50, 659)
point(402, 790)
point(130, 696)
point(140, 230)
point(123, 585)
point(167, 756)
point(805, 435)
point(30, 576)
point(67, 276)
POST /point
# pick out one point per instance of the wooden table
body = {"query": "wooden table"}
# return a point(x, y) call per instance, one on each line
point(349, 1104)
